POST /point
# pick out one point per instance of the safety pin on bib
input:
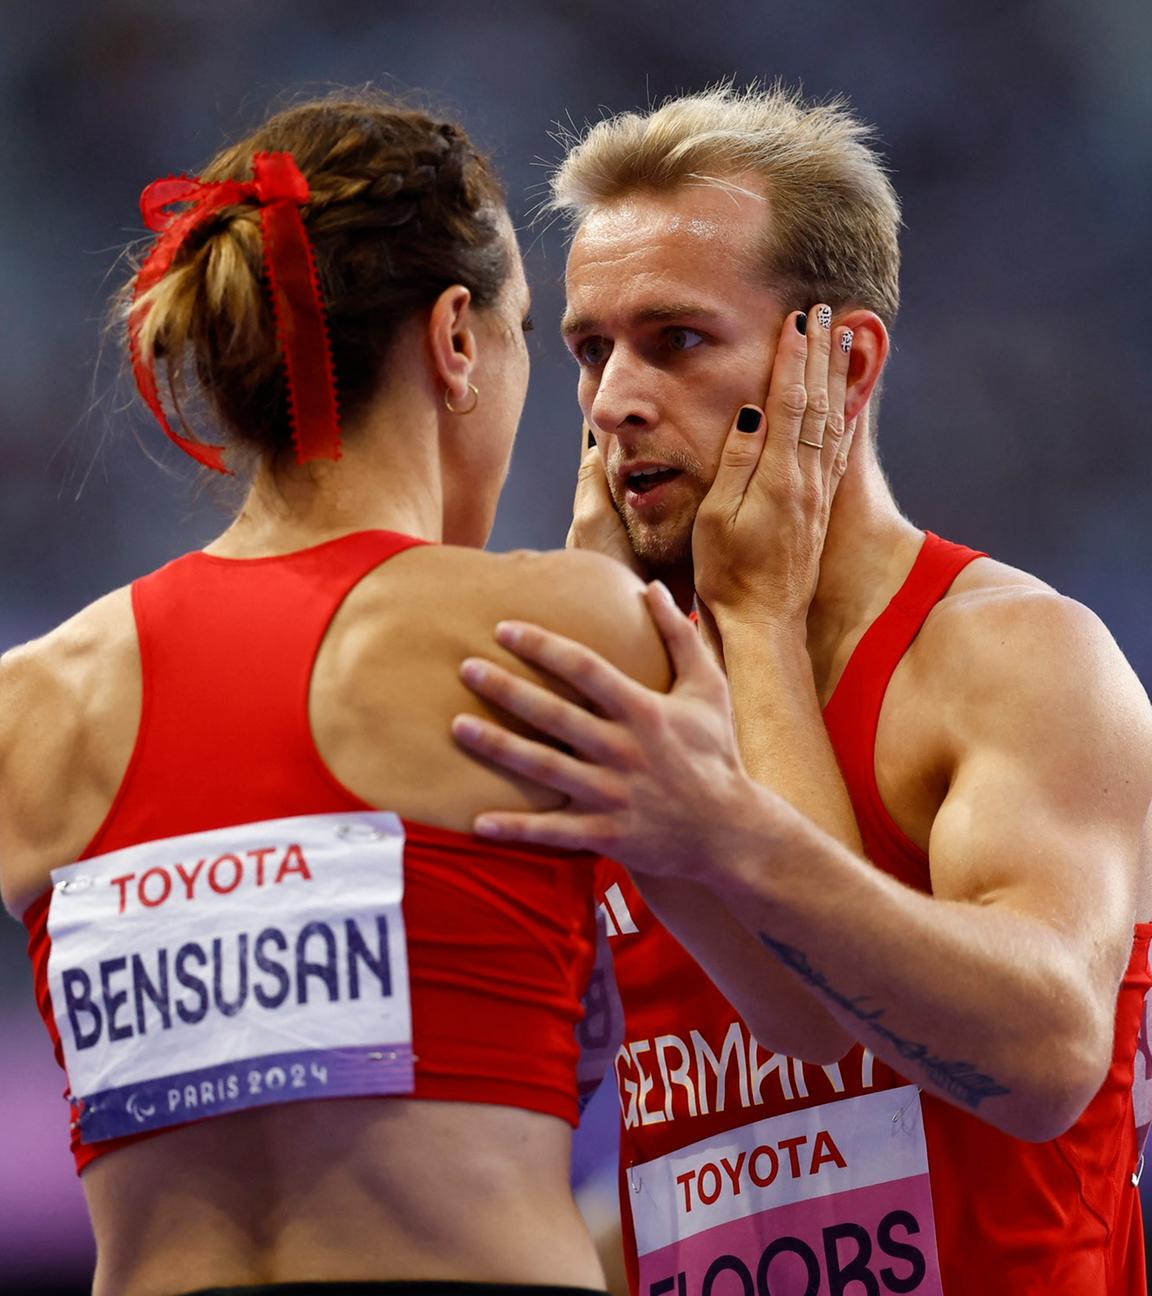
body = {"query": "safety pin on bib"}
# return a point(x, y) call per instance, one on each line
point(906, 1127)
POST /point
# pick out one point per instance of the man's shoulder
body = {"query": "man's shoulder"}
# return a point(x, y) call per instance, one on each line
point(994, 611)
point(1003, 640)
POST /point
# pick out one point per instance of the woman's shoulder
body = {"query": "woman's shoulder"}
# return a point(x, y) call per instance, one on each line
point(58, 693)
point(60, 662)
point(585, 596)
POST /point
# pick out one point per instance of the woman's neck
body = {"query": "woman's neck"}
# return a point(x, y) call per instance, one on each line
point(388, 478)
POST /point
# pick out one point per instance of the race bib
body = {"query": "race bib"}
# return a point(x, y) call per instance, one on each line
point(236, 968)
point(828, 1200)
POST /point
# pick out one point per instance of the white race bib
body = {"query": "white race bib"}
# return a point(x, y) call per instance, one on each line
point(236, 968)
point(817, 1202)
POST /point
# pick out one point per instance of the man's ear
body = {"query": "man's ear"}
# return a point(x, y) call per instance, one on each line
point(451, 342)
point(870, 346)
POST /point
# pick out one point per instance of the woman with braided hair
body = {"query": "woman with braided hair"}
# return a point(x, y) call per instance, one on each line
point(318, 1037)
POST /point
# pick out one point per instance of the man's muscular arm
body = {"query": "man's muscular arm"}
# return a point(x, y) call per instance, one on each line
point(996, 993)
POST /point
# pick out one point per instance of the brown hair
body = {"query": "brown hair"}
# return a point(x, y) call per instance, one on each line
point(832, 235)
point(402, 207)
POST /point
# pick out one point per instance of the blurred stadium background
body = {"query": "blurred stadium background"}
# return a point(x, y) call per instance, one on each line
point(1016, 409)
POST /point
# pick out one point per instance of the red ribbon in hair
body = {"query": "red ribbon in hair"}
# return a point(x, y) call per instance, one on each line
point(301, 330)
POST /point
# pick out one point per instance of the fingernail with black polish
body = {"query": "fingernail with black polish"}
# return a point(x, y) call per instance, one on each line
point(591, 439)
point(748, 420)
point(802, 323)
point(824, 317)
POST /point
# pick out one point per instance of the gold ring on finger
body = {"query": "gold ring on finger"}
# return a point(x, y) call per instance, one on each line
point(816, 445)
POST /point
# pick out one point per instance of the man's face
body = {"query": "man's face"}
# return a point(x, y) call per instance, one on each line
point(674, 330)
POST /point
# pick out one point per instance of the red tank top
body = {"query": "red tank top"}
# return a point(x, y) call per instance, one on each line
point(500, 939)
point(743, 1170)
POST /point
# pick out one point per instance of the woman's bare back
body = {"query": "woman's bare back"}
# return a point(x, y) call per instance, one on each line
point(357, 1188)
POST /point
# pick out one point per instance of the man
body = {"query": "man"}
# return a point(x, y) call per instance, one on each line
point(914, 861)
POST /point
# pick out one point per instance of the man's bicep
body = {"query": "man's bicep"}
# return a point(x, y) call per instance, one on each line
point(1046, 805)
point(999, 838)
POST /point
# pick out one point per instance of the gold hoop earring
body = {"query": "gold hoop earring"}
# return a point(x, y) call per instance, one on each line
point(475, 401)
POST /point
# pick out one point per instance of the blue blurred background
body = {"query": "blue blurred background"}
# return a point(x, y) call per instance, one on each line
point(1015, 416)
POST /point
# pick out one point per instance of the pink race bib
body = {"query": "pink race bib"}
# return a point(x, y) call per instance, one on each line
point(828, 1201)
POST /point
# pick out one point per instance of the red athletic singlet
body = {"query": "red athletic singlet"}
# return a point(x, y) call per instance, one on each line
point(748, 1173)
point(500, 939)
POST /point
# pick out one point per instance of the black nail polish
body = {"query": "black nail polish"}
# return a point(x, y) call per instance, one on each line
point(748, 420)
point(802, 323)
point(591, 444)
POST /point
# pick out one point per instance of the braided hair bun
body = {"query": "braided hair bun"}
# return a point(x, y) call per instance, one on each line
point(402, 207)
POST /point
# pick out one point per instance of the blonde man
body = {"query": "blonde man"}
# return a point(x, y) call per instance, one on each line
point(912, 868)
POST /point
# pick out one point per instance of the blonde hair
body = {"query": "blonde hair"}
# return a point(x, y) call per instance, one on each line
point(834, 216)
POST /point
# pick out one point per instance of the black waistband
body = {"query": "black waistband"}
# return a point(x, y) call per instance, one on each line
point(400, 1288)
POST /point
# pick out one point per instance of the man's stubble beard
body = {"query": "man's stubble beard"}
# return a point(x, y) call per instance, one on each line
point(661, 547)
point(665, 544)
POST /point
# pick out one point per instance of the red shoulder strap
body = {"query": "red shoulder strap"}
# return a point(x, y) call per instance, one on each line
point(853, 711)
point(227, 649)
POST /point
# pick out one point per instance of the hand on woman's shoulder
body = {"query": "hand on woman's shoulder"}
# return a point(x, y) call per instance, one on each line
point(590, 598)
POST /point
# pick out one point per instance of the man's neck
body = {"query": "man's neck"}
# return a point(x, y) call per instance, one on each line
point(680, 582)
point(869, 550)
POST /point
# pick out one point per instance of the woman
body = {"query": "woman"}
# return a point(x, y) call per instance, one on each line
point(228, 971)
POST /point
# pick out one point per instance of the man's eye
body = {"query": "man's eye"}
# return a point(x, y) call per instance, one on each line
point(593, 351)
point(683, 339)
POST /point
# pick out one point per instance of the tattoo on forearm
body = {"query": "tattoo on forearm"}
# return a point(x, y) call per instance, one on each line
point(960, 1080)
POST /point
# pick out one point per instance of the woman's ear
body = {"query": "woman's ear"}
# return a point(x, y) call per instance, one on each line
point(451, 342)
point(870, 346)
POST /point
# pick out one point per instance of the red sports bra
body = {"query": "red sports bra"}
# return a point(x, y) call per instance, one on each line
point(500, 939)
